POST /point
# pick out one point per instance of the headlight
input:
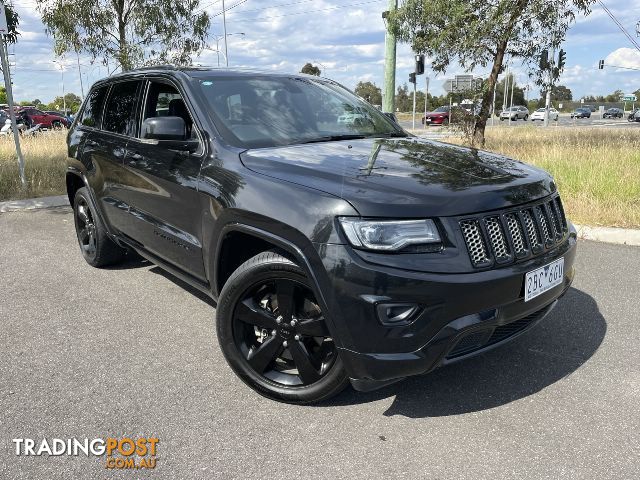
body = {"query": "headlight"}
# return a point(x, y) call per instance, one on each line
point(389, 235)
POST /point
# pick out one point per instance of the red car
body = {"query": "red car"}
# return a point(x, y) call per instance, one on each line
point(440, 116)
point(32, 116)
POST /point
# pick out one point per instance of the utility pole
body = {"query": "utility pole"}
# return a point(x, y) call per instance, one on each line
point(4, 29)
point(426, 99)
point(414, 102)
point(80, 75)
point(547, 103)
point(389, 91)
point(224, 31)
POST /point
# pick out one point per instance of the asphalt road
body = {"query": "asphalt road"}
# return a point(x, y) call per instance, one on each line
point(131, 352)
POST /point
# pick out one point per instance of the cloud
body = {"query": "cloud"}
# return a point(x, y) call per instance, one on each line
point(624, 57)
point(345, 38)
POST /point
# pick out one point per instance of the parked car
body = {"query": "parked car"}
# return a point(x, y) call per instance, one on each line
point(443, 115)
point(33, 116)
point(69, 118)
point(613, 113)
point(581, 112)
point(335, 253)
point(515, 113)
point(592, 108)
point(634, 116)
point(539, 114)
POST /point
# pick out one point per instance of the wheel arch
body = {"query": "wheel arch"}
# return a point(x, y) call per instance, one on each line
point(74, 181)
point(235, 237)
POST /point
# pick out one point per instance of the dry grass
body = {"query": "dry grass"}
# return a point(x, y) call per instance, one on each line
point(597, 170)
point(45, 163)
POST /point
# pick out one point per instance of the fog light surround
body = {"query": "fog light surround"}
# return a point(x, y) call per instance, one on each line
point(397, 314)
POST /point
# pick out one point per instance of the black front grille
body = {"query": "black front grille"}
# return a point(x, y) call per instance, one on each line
point(480, 339)
point(505, 237)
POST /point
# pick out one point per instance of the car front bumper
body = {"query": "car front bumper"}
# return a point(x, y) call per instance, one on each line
point(460, 314)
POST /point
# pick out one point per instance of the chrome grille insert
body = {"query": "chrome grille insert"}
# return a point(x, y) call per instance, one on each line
point(475, 243)
point(515, 230)
point(496, 238)
point(501, 237)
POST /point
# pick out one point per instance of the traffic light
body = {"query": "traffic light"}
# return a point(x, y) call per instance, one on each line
point(412, 77)
point(562, 59)
point(544, 60)
point(419, 64)
point(601, 65)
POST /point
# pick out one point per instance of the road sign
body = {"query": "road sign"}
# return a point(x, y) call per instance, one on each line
point(460, 83)
point(630, 97)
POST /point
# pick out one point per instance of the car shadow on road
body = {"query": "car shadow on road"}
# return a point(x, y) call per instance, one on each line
point(549, 352)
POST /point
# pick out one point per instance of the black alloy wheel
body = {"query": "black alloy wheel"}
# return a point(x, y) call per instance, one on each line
point(95, 245)
point(274, 334)
point(86, 228)
point(280, 330)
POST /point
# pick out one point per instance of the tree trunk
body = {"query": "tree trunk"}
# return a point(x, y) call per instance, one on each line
point(123, 51)
point(477, 140)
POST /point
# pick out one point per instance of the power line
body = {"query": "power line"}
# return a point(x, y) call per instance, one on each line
point(229, 8)
point(620, 26)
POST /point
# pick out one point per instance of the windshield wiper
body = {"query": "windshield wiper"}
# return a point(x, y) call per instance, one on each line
point(330, 138)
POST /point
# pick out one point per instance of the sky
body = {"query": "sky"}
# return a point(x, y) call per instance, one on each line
point(344, 38)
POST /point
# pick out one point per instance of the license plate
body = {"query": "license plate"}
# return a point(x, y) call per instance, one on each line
point(428, 120)
point(544, 278)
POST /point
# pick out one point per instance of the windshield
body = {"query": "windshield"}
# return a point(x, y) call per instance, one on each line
point(442, 109)
point(269, 111)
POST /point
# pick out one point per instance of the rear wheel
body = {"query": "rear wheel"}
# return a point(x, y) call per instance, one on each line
point(273, 332)
point(95, 245)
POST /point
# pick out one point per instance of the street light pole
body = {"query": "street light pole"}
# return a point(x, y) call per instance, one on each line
point(224, 30)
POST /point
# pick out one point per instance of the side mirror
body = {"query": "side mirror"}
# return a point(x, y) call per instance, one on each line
point(169, 132)
point(392, 116)
point(164, 128)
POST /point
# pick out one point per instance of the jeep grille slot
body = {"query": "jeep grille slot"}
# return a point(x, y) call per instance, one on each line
point(515, 231)
point(475, 242)
point(514, 235)
point(497, 239)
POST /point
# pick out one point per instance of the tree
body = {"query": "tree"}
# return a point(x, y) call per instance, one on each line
point(132, 32)
point(476, 33)
point(12, 23)
point(559, 93)
point(370, 92)
point(614, 97)
point(3, 95)
point(311, 70)
point(404, 102)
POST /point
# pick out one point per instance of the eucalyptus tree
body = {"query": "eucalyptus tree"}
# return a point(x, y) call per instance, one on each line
point(484, 33)
point(131, 32)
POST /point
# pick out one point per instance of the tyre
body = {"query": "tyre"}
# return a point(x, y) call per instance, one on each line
point(526, 117)
point(273, 333)
point(95, 245)
point(445, 122)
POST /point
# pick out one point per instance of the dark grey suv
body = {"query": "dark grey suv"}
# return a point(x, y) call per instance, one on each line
point(338, 251)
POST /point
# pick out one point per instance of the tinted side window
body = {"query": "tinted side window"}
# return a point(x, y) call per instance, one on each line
point(93, 108)
point(120, 111)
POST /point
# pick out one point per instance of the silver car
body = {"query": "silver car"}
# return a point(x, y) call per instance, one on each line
point(515, 113)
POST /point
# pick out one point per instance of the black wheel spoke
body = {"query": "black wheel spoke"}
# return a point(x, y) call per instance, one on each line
point(315, 327)
point(260, 358)
point(250, 312)
point(82, 214)
point(304, 362)
point(284, 293)
point(84, 235)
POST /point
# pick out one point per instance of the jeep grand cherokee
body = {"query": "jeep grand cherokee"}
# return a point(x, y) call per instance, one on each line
point(337, 252)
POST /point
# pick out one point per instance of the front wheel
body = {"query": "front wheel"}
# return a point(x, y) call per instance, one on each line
point(274, 334)
point(526, 117)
